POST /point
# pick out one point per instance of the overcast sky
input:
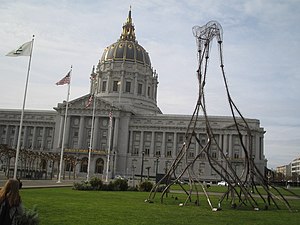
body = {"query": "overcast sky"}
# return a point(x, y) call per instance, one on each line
point(261, 51)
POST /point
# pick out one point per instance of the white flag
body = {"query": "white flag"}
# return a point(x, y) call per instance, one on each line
point(23, 50)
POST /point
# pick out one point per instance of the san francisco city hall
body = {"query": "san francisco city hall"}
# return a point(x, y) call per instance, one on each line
point(125, 85)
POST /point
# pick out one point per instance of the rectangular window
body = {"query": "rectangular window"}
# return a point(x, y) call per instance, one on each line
point(115, 85)
point(170, 137)
point(39, 144)
point(202, 155)
point(236, 154)
point(128, 87)
point(48, 144)
point(158, 137)
point(149, 93)
point(140, 89)
point(169, 153)
point(75, 134)
point(104, 86)
point(50, 132)
point(137, 137)
point(147, 151)
point(191, 154)
point(201, 168)
point(180, 138)
point(214, 154)
point(148, 136)
point(135, 151)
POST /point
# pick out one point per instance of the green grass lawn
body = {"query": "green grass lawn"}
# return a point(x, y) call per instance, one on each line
point(64, 206)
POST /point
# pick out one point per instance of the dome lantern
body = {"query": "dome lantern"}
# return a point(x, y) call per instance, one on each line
point(127, 47)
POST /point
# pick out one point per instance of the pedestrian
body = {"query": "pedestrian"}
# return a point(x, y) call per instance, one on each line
point(10, 203)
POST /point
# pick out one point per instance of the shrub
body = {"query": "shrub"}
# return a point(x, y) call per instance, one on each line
point(161, 188)
point(83, 186)
point(96, 183)
point(145, 186)
point(108, 187)
point(120, 185)
point(132, 188)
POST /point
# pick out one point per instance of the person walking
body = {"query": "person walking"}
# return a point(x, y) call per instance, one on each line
point(10, 203)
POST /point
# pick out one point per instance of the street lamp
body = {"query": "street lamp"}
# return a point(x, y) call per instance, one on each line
point(142, 167)
point(132, 171)
point(148, 168)
point(156, 169)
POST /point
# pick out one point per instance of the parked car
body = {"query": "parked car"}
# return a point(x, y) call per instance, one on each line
point(222, 183)
point(120, 177)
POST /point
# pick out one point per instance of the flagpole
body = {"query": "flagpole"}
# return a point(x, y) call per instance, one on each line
point(22, 113)
point(109, 145)
point(91, 139)
point(64, 131)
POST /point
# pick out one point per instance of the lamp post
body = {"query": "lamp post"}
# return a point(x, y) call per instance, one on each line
point(132, 171)
point(142, 167)
point(156, 169)
point(148, 168)
point(113, 166)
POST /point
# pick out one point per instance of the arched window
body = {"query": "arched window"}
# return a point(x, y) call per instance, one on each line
point(69, 166)
point(99, 166)
point(84, 165)
point(44, 164)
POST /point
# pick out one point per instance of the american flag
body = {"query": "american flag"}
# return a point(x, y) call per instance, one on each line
point(65, 80)
point(89, 101)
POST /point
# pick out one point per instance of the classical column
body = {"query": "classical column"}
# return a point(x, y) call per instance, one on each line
point(142, 142)
point(135, 83)
point(33, 137)
point(244, 143)
point(108, 84)
point(67, 134)
point(130, 142)
point(256, 146)
point(198, 147)
point(261, 146)
point(16, 136)
point(230, 145)
point(152, 150)
point(99, 84)
point(225, 144)
point(43, 138)
point(175, 145)
point(81, 132)
point(116, 134)
point(6, 134)
point(24, 137)
point(163, 146)
point(96, 133)
point(146, 88)
point(220, 145)
point(115, 145)
point(61, 125)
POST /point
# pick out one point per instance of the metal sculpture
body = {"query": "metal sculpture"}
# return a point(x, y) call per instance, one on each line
point(241, 187)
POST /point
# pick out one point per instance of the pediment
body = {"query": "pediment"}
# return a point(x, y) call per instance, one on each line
point(81, 105)
point(233, 126)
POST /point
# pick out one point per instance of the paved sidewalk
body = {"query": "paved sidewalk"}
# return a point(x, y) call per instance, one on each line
point(43, 183)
